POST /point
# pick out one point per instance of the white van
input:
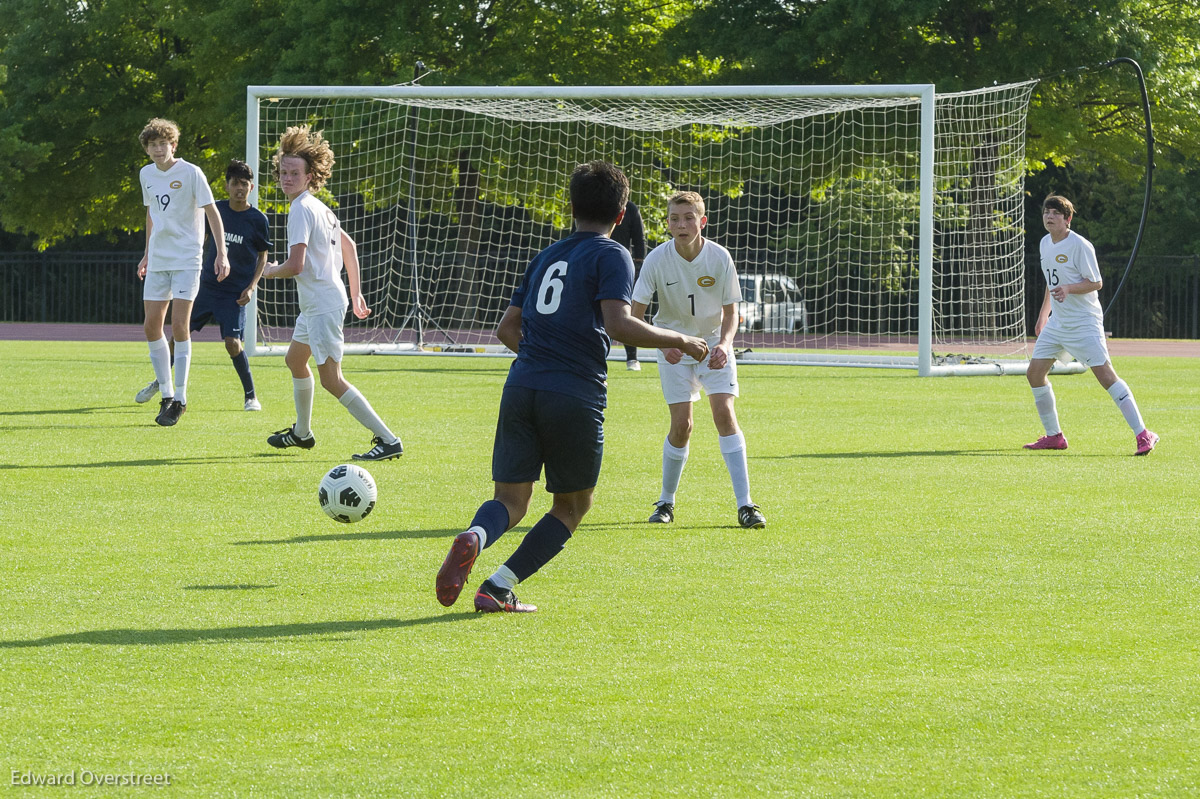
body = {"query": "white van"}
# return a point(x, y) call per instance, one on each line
point(771, 303)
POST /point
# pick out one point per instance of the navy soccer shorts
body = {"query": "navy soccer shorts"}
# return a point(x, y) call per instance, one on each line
point(222, 308)
point(545, 428)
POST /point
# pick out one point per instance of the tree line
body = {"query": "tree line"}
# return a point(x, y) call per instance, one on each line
point(79, 78)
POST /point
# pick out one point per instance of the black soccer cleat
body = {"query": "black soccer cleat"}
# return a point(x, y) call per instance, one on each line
point(491, 598)
point(750, 517)
point(664, 513)
point(282, 439)
point(381, 451)
point(169, 412)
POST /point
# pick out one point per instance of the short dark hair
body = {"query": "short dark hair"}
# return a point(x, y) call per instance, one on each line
point(238, 169)
point(599, 192)
point(1059, 203)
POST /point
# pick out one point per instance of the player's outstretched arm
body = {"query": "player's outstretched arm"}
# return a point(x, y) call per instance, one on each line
point(354, 274)
point(509, 329)
point(623, 327)
point(221, 264)
point(293, 266)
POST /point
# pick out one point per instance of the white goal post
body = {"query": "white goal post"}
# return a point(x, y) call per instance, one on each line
point(871, 225)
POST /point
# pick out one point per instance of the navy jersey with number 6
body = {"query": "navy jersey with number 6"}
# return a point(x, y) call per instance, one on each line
point(563, 341)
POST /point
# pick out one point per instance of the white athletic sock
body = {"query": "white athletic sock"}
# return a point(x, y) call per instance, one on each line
point(183, 362)
point(1043, 400)
point(360, 409)
point(1121, 395)
point(479, 531)
point(302, 393)
point(160, 359)
point(674, 459)
point(733, 450)
point(504, 578)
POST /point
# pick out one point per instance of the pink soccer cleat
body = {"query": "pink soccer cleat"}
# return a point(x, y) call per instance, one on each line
point(1145, 442)
point(1056, 441)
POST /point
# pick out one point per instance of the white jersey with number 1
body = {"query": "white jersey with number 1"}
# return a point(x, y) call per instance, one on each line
point(691, 294)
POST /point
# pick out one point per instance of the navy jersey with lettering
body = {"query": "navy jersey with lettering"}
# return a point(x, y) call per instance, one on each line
point(246, 235)
point(563, 341)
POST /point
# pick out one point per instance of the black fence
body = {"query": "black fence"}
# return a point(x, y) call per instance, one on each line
point(1160, 300)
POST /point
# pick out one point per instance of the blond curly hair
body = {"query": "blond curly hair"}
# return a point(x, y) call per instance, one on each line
point(159, 128)
point(301, 142)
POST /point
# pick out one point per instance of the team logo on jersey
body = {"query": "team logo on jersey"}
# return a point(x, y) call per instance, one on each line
point(706, 282)
point(1062, 259)
point(177, 184)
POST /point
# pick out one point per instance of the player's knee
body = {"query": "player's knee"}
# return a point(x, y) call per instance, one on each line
point(233, 347)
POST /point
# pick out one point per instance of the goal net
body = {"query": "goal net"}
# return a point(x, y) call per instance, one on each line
point(877, 226)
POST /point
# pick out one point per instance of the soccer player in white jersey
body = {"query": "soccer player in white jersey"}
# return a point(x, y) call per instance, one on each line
point(698, 292)
point(318, 249)
point(1071, 319)
point(177, 199)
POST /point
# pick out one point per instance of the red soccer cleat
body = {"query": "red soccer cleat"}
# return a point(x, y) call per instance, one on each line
point(457, 567)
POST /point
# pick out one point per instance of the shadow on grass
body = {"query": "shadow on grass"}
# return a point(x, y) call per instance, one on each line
point(128, 637)
point(144, 462)
point(73, 411)
point(907, 453)
point(242, 587)
point(377, 535)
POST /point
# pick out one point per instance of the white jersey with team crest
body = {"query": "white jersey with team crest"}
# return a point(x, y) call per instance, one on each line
point(1070, 261)
point(319, 285)
point(691, 294)
point(175, 198)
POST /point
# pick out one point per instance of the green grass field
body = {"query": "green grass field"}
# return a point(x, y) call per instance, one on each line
point(930, 611)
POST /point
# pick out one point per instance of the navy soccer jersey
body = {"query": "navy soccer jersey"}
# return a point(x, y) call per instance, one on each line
point(246, 235)
point(563, 341)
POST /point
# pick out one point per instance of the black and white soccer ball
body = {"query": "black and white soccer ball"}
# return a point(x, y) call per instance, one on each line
point(347, 493)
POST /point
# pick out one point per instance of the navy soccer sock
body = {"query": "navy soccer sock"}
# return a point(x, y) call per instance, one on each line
point(492, 518)
point(242, 364)
point(541, 544)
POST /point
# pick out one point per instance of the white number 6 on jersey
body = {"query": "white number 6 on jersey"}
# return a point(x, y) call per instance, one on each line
point(550, 292)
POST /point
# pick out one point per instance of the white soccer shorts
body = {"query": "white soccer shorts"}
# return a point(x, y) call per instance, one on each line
point(681, 382)
point(167, 284)
point(322, 333)
point(1089, 347)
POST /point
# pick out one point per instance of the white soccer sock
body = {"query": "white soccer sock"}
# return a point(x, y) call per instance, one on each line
point(1121, 395)
point(360, 409)
point(479, 531)
point(733, 450)
point(302, 393)
point(160, 359)
point(674, 459)
point(504, 578)
point(183, 362)
point(1043, 400)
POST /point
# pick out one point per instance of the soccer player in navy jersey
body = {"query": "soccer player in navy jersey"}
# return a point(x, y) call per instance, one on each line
point(575, 294)
point(247, 239)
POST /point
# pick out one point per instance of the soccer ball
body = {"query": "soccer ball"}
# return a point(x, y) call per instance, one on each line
point(347, 493)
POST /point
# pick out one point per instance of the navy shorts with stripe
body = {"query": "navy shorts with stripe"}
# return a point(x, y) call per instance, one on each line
point(213, 306)
point(545, 428)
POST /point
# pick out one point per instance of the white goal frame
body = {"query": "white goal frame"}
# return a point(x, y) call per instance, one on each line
point(924, 362)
